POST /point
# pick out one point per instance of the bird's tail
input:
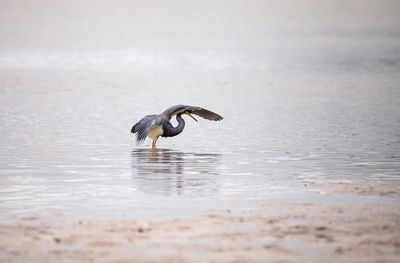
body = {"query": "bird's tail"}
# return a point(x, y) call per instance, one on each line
point(143, 127)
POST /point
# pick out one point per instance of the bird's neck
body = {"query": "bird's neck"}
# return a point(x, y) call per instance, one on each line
point(178, 129)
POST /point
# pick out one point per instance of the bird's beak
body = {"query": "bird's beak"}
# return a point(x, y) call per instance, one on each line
point(187, 113)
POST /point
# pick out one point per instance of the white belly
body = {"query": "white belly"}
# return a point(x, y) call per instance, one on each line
point(155, 132)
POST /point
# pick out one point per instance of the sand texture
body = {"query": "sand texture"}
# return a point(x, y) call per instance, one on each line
point(266, 233)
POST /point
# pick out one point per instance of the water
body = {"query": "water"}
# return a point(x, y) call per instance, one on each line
point(294, 113)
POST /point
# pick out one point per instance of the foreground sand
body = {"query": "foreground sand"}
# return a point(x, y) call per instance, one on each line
point(267, 233)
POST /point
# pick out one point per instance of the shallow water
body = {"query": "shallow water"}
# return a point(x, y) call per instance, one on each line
point(293, 114)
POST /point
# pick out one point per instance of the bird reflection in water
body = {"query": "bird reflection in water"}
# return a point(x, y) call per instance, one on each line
point(168, 172)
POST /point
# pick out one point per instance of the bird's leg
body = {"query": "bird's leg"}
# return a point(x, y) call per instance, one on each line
point(154, 143)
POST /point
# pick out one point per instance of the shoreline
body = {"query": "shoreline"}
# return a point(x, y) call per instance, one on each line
point(288, 232)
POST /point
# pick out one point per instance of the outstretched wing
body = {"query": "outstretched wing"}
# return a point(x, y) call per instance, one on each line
point(144, 126)
point(206, 114)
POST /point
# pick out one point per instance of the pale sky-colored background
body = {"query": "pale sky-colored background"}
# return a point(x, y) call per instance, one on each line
point(121, 23)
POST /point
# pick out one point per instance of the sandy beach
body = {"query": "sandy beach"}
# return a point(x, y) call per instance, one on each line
point(267, 232)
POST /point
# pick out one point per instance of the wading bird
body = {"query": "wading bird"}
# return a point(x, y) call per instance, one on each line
point(154, 126)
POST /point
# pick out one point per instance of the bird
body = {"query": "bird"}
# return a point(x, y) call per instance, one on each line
point(154, 126)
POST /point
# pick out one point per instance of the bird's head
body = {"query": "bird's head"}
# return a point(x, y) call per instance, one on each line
point(188, 114)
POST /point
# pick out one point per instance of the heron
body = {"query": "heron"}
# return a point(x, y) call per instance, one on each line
point(154, 126)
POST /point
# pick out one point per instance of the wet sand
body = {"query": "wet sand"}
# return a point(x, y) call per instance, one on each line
point(267, 232)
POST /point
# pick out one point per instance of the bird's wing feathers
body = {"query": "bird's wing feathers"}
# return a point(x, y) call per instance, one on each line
point(144, 126)
point(172, 111)
point(206, 114)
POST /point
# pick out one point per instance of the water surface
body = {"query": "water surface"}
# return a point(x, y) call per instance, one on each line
point(292, 114)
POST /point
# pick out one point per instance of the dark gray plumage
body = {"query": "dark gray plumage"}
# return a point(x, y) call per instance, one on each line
point(154, 126)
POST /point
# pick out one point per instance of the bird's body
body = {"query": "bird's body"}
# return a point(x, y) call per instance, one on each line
point(154, 126)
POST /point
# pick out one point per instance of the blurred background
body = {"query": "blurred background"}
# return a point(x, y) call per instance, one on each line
point(181, 36)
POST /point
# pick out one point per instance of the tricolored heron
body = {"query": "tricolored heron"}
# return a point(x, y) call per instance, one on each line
point(154, 126)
